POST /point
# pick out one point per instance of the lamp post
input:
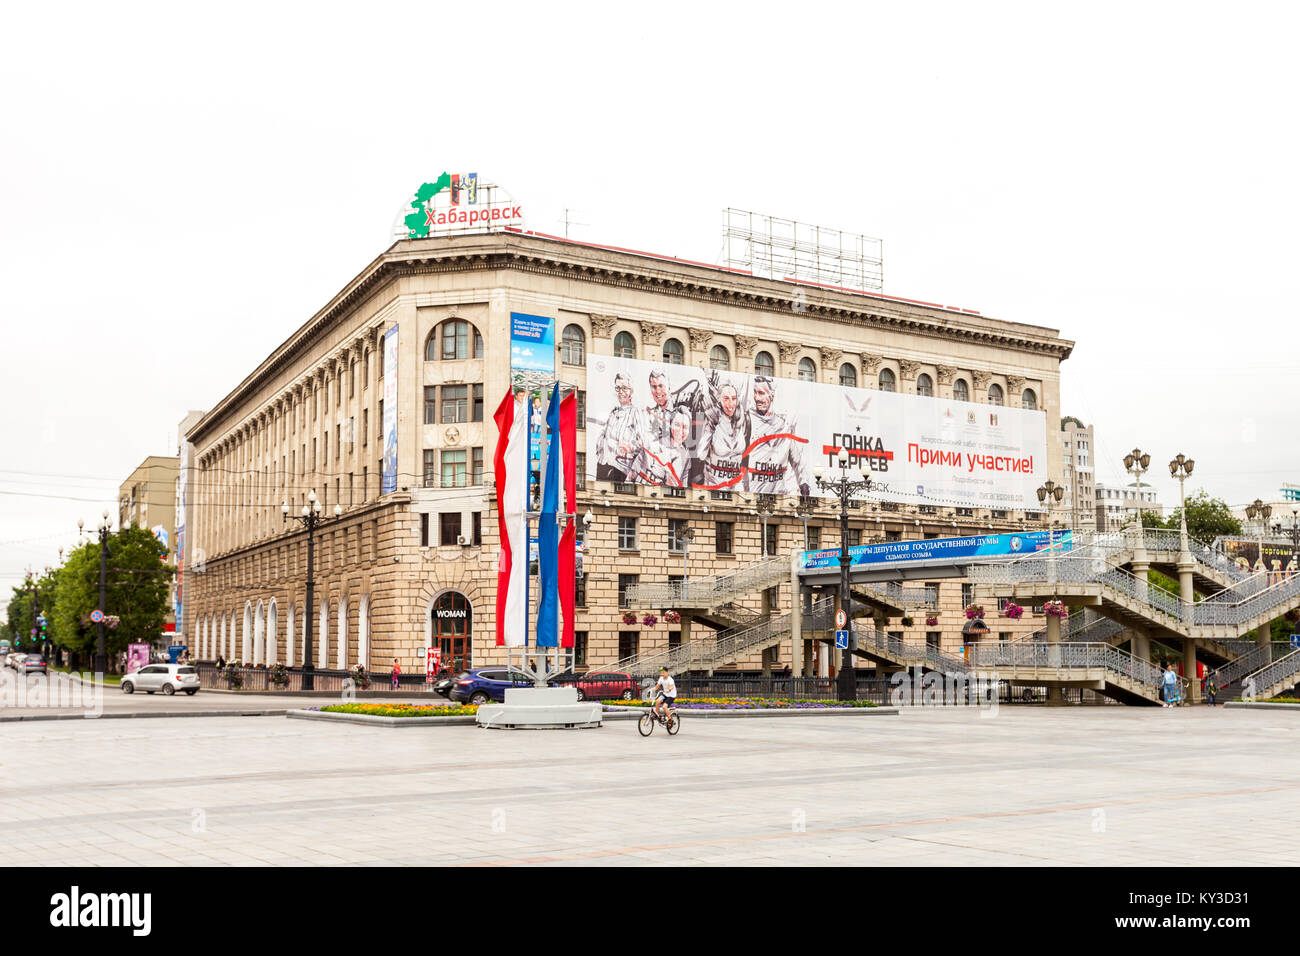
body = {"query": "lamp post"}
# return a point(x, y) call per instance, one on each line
point(1181, 468)
point(845, 485)
point(105, 527)
point(803, 509)
point(1051, 492)
point(1293, 533)
point(310, 518)
point(1259, 513)
point(687, 537)
point(1136, 464)
point(764, 505)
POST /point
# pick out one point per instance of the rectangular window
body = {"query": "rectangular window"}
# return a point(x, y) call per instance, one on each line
point(927, 509)
point(773, 530)
point(581, 411)
point(582, 470)
point(430, 468)
point(365, 482)
point(814, 537)
point(476, 466)
point(453, 469)
point(478, 403)
point(352, 378)
point(424, 530)
point(965, 512)
point(338, 441)
point(627, 644)
point(455, 403)
point(449, 527)
point(313, 454)
point(722, 537)
point(967, 595)
point(625, 581)
point(677, 535)
point(580, 590)
point(478, 528)
point(626, 533)
point(671, 492)
point(855, 537)
point(932, 639)
point(579, 648)
point(431, 404)
point(720, 495)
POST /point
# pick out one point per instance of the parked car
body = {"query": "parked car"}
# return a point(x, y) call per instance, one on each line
point(14, 660)
point(601, 685)
point(443, 685)
point(486, 684)
point(5, 648)
point(32, 663)
point(168, 678)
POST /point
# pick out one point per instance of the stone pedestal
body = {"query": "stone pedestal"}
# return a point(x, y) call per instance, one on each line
point(540, 708)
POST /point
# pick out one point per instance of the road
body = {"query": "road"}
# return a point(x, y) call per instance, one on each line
point(1028, 786)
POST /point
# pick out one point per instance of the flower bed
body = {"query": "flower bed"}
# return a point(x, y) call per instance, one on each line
point(750, 703)
point(1281, 700)
point(401, 710)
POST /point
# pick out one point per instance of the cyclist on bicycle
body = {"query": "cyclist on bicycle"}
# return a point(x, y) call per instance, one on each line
point(666, 691)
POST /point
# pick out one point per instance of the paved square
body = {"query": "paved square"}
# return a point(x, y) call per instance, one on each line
point(1095, 785)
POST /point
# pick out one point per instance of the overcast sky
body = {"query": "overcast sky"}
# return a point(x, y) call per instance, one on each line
point(183, 186)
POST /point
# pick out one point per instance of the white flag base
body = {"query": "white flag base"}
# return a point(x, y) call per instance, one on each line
point(540, 708)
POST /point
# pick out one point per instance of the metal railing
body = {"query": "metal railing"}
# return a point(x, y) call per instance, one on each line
point(1064, 654)
point(727, 647)
point(1261, 656)
point(1284, 672)
point(713, 591)
point(1076, 628)
point(923, 596)
point(325, 680)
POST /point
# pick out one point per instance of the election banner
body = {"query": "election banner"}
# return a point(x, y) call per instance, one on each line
point(137, 656)
point(947, 549)
point(532, 349)
point(731, 431)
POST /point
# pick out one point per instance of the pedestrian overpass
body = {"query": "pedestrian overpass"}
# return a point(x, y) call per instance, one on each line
point(1103, 573)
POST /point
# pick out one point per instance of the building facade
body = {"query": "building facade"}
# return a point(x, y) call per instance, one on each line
point(147, 499)
point(416, 565)
point(1117, 507)
point(1077, 444)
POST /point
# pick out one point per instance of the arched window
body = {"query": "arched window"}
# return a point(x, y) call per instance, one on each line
point(624, 345)
point(720, 358)
point(848, 376)
point(763, 364)
point(887, 381)
point(673, 353)
point(925, 385)
point(573, 347)
point(451, 341)
point(807, 370)
point(960, 391)
point(1029, 400)
point(995, 394)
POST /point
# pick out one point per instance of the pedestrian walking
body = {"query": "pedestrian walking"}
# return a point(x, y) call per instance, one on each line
point(1170, 685)
point(397, 672)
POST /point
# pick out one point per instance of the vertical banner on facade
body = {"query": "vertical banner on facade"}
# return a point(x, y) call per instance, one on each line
point(730, 431)
point(388, 483)
point(532, 349)
point(548, 532)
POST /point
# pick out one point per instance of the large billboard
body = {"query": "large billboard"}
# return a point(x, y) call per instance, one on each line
point(388, 480)
point(947, 549)
point(687, 427)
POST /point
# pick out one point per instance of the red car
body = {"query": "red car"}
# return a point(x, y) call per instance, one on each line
point(604, 685)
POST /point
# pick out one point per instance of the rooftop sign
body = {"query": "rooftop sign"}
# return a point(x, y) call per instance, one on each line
point(456, 202)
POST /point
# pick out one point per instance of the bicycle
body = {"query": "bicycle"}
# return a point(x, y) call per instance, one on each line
point(646, 723)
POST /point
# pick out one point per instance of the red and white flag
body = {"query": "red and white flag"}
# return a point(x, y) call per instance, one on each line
point(568, 482)
point(511, 466)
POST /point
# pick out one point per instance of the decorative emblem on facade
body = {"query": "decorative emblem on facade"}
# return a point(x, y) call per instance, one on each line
point(651, 333)
point(946, 372)
point(602, 325)
point(699, 338)
point(1016, 385)
point(745, 345)
point(981, 378)
point(870, 362)
point(831, 358)
point(909, 368)
point(789, 351)
point(452, 435)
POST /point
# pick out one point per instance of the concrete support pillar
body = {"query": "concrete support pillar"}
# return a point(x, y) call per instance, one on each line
point(686, 636)
point(1054, 694)
point(1141, 645)
point(806, 659)
point(1185, 568)
point(796, 633)
point(770, 655)
point(1140, 569)
point(1189, 671)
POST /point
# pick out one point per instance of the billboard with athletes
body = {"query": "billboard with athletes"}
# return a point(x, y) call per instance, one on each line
point(678, 426)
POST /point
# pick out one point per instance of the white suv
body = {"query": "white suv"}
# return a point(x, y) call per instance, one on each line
point(168, 678)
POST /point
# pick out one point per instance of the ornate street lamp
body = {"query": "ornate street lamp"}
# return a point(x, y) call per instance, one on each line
point(848, 482)
point(1136, 464)
point(1181, 468)
point(1050, 492)
point(1259, 513)
point(310, 518)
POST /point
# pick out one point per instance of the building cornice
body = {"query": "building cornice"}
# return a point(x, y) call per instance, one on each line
point(640, 272)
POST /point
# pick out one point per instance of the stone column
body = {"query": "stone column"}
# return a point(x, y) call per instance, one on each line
point(1054, 695)
point(1189, 671)
point(1185, 567)
point(796, 617)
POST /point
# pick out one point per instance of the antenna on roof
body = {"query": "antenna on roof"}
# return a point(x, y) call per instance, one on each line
point(571, 222)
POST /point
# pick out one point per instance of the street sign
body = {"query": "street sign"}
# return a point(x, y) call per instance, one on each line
point(841, 639)
point(96, 615)
point(841, 618)
point(1295, 640)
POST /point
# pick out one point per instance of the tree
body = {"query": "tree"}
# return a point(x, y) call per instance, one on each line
point(137, 592)
point(1207, 517)
point(21, 615)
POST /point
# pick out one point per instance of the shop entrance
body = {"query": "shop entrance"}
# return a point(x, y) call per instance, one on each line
point(453, 626)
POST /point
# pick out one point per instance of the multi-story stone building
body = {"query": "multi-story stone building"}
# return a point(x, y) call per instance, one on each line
point(147, 499)
point(418, 564)
point(1077, 443)
point(1117, 507)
